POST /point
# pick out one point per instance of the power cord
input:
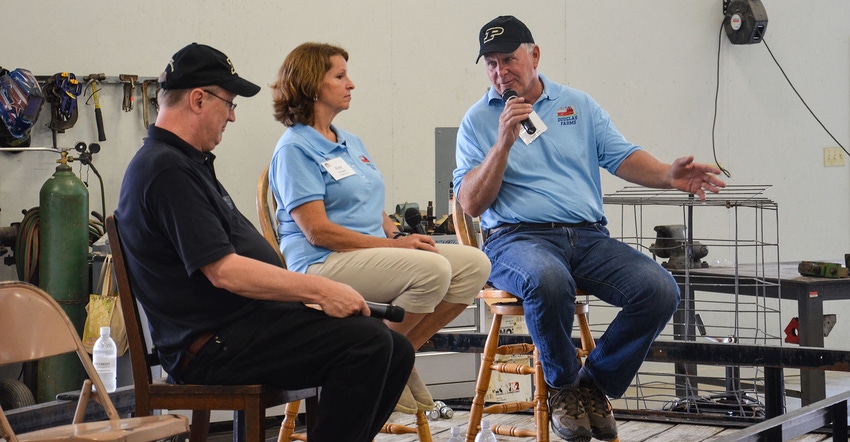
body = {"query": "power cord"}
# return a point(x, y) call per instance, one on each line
point(716, 94)
point(801, 98)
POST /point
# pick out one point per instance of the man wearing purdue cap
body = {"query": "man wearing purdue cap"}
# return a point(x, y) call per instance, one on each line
point(221, 307)
point(529, 167)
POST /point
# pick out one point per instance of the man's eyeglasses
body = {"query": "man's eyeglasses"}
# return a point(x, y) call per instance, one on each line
point(229, 103)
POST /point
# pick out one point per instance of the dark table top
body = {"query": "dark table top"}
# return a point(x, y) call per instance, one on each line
point(765, 278)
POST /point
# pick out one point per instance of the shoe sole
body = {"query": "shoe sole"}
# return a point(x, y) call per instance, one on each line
point(603, 436)
point(570, 439)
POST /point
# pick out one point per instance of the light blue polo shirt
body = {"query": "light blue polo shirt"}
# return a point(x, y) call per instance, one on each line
point(297, 176)
point(555, 178)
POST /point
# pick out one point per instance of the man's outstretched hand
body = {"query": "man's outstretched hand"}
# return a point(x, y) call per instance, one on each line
point(696, 178)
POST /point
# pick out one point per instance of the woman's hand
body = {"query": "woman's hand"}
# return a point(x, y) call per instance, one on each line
point(415, 241)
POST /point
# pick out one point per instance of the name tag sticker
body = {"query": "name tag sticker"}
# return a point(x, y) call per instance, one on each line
point(338, 168)
point(538, 123)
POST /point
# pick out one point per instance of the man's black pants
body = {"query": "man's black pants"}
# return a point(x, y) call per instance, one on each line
point(361, 365)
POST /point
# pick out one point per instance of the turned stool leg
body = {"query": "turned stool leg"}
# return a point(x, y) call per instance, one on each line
point(483, 382)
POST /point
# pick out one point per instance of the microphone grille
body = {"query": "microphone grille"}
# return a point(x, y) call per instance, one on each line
point(508, 94)
point(412, 214)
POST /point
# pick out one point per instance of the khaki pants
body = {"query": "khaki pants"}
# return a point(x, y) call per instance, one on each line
point(415, 280)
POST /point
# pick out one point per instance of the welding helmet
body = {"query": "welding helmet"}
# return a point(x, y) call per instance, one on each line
point(21, 99)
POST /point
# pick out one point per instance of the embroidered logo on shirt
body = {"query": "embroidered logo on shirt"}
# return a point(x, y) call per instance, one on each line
point(567, 116)
point(366, 161)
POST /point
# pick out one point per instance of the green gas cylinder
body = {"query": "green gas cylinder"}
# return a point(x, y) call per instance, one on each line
point(63, 250)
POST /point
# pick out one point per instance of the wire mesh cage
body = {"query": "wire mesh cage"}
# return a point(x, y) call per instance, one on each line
point(724, 253)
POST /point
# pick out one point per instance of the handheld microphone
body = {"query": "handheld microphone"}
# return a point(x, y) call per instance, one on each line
point(386, 311)
point(510, 94)
point(413, 218)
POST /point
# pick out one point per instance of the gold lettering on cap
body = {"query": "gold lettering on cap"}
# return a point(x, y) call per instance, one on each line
point(171, 65)
point(232, 69)
point(492, 33)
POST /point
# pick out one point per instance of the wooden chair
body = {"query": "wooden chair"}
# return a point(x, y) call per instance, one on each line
point(266, 208)
point(502, 303)
point(249, 402)
point(36, 327)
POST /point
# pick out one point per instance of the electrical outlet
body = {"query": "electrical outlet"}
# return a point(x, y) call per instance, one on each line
point(833, 157)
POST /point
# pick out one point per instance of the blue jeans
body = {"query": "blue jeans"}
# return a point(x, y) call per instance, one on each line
point(545, 266)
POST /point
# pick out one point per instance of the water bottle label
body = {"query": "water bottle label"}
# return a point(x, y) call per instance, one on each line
point(103, 365)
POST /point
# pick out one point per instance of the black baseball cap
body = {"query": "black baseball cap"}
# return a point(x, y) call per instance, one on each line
point(198, 65)
point(503, 34)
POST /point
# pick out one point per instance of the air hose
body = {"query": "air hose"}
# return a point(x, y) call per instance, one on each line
point(26, 243)
point(26, 247)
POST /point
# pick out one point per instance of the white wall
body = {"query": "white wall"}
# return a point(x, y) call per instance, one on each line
point(650, 63)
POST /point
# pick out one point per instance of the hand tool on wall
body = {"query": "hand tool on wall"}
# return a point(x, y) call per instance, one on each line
point(129, 89)
point(67, 89)
point(93, 80)
point(147, 100)
point(61, 91)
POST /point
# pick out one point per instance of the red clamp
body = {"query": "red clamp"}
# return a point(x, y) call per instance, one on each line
point(792, 331)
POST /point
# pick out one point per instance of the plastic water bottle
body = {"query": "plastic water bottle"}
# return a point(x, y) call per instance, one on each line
point(485, 435)
point(456, 435)
point(451, 197)
point(105, 359)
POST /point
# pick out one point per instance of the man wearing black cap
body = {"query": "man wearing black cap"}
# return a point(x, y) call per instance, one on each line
point(222, 310)
point(529, 167)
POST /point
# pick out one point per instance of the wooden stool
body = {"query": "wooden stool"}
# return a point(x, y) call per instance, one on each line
point(287, 427)
point(502, 304)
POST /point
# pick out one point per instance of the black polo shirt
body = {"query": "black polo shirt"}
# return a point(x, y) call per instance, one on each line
point(175, 217)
